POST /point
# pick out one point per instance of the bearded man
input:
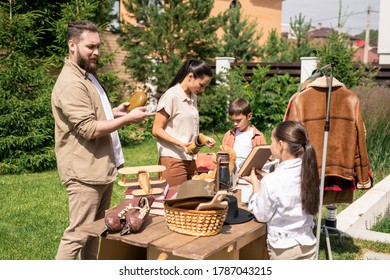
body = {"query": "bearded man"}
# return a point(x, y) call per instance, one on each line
point(87, 145)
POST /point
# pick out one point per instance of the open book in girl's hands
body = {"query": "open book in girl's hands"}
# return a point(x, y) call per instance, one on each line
point(256, 158)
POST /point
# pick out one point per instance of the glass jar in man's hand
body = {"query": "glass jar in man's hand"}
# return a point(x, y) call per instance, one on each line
point(139, 98)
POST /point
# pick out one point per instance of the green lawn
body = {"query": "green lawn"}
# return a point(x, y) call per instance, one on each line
point(34, 208)
point(383, 223)
point(34, 213)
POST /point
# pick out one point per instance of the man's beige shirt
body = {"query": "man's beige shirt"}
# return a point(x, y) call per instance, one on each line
point(76, 107)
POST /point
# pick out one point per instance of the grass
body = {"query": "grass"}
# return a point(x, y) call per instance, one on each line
point(34, 214)
point(34, 210)
point(383, 223)
point(376, 111)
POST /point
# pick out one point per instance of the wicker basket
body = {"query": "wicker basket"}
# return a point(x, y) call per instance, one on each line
point(193, 222)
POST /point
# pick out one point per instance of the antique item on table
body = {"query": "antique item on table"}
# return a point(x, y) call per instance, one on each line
point(145, 185)
point(115, 218)
point(190, 203)
point(144, 180)
point(212, 176)
point(196, 215)
point(192, 189)
point(236, 215)
point(215, 204)
point(139, 99)
point(197, 143)
point(195, 222)
point(223, 177)
point(205, 162)
point(136, 216)
point(128, 216)
point(201, 202)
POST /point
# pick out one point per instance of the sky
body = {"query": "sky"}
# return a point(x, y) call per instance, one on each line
point(326, 12)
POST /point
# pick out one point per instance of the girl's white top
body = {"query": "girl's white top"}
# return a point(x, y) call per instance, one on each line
point(278, 203)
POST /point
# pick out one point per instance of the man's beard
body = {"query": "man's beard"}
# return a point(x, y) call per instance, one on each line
point(88, 66)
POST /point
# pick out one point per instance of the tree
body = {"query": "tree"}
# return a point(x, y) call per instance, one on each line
point(279, 49)
point(51, 12)
point(27, 79)
point(26, 125)
point(240, 39)
point(337, 50)
point(303, 47)
point(276, 49)
point(163, 34)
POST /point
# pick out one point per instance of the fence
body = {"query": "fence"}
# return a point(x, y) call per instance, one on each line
point(294, 69)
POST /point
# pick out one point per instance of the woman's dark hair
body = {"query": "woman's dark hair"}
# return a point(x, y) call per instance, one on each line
point(197, 67)
point(76, 28)
point(299, 145)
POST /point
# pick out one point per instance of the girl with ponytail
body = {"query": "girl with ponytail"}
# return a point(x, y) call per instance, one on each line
point(288, 198)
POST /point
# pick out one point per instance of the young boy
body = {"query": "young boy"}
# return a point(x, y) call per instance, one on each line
point(244, 136)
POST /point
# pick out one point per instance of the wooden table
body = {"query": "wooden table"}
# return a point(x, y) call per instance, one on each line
point(155, 241)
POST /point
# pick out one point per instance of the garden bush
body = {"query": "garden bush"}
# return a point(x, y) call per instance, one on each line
point(268, 97)
point(26, 125)
point(376, 111)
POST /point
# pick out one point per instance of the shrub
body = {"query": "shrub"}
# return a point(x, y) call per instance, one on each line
point(212, 106)
point(383, 223)
point(136, 133)
point(268, 97)
point(26, 125)
point(337, 50)
point(376, 111)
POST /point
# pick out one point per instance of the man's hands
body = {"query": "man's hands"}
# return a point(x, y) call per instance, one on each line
point(121, 110)
point(134, 116)
point(121, 118)
point(138, 114)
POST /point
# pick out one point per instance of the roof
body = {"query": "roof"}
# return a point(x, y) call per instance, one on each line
point(320, 32)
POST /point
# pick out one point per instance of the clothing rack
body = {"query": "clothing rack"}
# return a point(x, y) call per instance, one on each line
point(323, 165)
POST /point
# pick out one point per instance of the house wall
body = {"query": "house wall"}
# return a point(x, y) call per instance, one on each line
point(373, 56)
point(266, 13)
point(384, 38)
point(109, 45)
